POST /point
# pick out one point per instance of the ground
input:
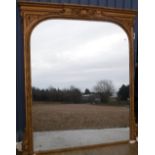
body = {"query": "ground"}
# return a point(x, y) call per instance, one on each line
point(56, 116)
point(121, 149)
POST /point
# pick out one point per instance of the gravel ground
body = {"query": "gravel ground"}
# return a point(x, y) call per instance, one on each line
point(52, 116)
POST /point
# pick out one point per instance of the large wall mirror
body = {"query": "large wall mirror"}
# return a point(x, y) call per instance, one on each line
point(78, 70)
point(78, 77)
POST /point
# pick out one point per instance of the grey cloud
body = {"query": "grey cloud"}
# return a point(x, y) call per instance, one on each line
point(65, 53)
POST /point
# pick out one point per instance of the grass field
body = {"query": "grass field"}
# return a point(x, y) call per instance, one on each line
point(56, 116)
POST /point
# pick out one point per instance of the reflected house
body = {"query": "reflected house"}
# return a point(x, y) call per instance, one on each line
point(90, 98)
point(94, 98)
point(114, 97)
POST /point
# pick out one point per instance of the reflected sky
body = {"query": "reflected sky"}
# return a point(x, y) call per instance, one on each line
point(79, 53)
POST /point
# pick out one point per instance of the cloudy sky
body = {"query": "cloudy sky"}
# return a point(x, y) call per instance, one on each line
point(78, 53)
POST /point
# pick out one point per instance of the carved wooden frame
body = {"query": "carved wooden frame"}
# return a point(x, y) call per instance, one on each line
point(33, 13)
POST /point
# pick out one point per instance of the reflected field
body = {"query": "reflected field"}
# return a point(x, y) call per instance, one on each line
point(56, 116)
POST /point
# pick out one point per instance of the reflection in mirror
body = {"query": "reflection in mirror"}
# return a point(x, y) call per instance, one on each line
point(80, 84)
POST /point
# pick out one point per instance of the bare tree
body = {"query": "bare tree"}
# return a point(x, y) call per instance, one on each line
point(104, 89)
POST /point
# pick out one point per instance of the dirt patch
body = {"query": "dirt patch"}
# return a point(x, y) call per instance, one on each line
point(50, 116)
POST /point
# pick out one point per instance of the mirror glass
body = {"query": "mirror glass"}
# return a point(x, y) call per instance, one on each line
point(80, 84)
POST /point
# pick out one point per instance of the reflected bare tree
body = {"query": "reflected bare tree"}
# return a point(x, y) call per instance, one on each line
point(104, 89)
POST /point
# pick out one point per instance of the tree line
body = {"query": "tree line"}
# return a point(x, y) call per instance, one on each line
point(103, 90)
point(72, 94)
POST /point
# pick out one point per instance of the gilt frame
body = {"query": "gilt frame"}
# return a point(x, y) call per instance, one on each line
point(33, 13)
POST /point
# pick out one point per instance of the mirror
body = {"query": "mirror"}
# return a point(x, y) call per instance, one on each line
point(33, 14)
point(80, 84)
